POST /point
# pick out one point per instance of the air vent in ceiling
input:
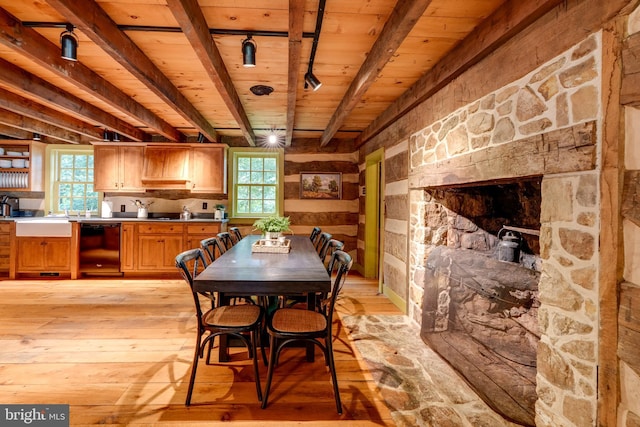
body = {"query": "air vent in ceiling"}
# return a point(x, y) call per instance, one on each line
point(260, 90)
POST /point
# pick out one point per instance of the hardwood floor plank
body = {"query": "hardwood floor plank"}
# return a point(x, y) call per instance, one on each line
point(119, 352)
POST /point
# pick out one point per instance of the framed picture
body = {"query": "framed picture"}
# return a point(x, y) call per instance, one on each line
point(321, 185)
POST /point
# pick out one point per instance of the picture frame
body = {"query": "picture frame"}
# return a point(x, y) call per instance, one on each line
point(321, 185)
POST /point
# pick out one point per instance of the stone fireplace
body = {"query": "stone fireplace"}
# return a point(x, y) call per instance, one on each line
point(538, 134)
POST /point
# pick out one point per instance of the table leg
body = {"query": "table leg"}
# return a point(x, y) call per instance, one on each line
point(311, 305)
point(223, 341)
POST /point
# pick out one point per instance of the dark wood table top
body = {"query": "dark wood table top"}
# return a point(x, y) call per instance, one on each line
point(240, 271)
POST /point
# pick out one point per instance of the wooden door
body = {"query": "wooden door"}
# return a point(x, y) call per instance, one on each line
point(106, 160)
point(127, 255)
point(208, 170)
point(130, 166)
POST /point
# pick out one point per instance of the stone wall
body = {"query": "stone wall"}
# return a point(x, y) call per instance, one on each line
point(563, 93)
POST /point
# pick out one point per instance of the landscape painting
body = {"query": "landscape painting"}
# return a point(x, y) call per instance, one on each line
point(321, 185)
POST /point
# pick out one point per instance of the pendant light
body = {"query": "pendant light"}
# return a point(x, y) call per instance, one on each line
point(249, 52)
point(69, 44)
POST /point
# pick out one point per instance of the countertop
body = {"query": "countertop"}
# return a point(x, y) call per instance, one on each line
point(96, 219)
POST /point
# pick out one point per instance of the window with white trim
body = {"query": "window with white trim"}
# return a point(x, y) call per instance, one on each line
point(70, 180)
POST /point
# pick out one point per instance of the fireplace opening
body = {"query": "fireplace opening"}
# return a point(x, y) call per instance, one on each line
point(479, 311)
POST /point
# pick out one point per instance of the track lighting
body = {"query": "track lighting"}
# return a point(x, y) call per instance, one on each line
point(105, 135)
point(200, 137)
point(69, 44)
point(249, 52)
point(116, 137)
point(311, 80)
point(36, 137)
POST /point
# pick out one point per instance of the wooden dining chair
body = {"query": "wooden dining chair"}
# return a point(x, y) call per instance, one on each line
point(329, 248)
point(212, 248)
point(287, 325)
point(226, 240)
point(315, 233)
point(235, 234)
point(323, 240)
point(243, 321)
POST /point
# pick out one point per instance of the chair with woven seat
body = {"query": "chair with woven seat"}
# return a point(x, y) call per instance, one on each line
point(212, 248)
point(288, 325)
point(235, 234)
point(243, 321)
point(226, 240)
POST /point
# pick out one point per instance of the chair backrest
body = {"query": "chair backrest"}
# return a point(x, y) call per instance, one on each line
point(340, 264)
point(212, 248)
point(191, 263)
point(235, 234)
point(315, 233)
point(332, 246)
point(322, 241)
point(225, 239)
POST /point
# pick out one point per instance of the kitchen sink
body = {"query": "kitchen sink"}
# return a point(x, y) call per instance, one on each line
point(43, 227)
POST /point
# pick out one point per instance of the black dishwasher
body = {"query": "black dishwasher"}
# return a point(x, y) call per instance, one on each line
point(100, 248)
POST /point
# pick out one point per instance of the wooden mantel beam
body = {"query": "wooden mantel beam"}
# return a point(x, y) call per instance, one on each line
point(46, 93)
point(38, 49)
point(93, 21)
point(401, 21)
point(508, 20)
point(296, 21)
point(195, 28)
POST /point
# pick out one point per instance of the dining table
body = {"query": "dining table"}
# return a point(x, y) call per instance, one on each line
point(241, 271)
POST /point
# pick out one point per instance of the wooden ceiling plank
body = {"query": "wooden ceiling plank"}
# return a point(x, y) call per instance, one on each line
point(508, 20)
point(296, 21)
point(92, 20)
point(401, 21)
point(18, 79)
point(195, 28)
point(9, 118)
point(26, 107)
point(37, 48)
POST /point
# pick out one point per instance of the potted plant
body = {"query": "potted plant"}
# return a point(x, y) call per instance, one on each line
point(272, 226)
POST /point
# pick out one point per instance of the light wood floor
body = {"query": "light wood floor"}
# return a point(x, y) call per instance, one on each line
point(119, 352)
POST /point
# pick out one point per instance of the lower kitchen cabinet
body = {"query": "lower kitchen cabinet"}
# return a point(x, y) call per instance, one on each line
point(5, 247)
point(127, 244)
point(43, 255)
point(199, 232)
point(157, 246)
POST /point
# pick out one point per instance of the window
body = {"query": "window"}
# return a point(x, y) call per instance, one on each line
point(256, 179)
point(70, 180)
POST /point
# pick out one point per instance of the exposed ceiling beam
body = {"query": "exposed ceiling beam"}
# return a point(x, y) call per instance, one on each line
point(37, 48)
point(92, 20)
point(29, 124)
point(12, 132)
point(22, 81)
point(507, 21)
point(401, 21)
point(194, 25)
point(296, 21)
point(26, 107)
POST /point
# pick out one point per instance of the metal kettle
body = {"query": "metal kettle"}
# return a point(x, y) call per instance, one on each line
point(5, 208)
point(508, 246)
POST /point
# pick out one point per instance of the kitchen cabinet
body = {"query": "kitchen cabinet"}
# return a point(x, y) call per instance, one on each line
point(43, 255)
point(208, 169)
point(21, 165)
point(158, 245)
point(127, 245)
point(5, 246)
point(166, 167)
point(118, 167)
point(201, 231)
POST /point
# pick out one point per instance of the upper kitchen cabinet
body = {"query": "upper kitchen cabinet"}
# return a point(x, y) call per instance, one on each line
point(21, 165)
point(118, 167)
point(166, 167)
point(209, 169)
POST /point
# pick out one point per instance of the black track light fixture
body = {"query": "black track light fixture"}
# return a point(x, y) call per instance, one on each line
point(69, 44)
point(311, 80)
point(249, 48)
point(37, 137)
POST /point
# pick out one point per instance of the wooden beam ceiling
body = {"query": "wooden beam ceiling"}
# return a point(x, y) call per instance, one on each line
point(100, 28)
point(400, 23)
point(9, 118)
point(195, 28)
point(22, 81)
point(15, 132)
point(507, 21)
point(37, 48)
point(296, 21)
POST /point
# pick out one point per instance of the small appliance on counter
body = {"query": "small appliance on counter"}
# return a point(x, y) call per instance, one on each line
point(107, 209)
point(9, 206)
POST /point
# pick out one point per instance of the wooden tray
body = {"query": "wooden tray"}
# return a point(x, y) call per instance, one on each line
point(271, 246)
